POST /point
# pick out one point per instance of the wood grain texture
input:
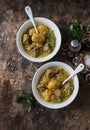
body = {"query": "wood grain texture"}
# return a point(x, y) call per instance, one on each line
point(16, 73)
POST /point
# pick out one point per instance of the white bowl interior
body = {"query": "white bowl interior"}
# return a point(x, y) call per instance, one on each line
point(27, 25)
point(36, 79)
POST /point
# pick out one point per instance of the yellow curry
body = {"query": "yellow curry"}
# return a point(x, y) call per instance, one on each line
point(50, 85)
point(39, 44)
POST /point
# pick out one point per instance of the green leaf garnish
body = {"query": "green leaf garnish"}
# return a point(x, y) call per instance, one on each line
point(76, 30)
point(27, 98)
point(51, 38)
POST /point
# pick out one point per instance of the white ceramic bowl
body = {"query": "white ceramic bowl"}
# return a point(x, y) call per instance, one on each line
point(27, 25)
point(36, 80)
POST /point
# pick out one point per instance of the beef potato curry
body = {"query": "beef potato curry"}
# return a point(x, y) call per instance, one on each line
point(50, 85)
point(39, 44)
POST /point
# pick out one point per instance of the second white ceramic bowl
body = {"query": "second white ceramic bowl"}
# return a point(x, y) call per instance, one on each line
point(36, 79)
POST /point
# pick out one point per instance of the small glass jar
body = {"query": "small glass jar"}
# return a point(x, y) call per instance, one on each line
point(75, 46)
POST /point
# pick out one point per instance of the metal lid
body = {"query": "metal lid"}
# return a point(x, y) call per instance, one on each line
point(74, 43)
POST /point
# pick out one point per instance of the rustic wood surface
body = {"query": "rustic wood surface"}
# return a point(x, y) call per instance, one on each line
point(16, 72)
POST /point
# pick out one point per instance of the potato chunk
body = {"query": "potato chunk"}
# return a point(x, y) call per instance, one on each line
point(53, 84)
point(38, 37)
point(43, 29)
point(47, 95)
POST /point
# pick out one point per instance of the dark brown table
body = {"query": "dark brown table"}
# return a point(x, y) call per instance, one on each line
point(16, 72)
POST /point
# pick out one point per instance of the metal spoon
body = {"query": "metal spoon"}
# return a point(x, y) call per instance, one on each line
point(79, 68)
point(30, 15)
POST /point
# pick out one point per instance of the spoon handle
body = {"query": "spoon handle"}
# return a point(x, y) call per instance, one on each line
point(79, 68)
point(30, 15)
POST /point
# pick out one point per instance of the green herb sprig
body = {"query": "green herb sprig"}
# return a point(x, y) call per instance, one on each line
point(76, 30)
point(27, 98)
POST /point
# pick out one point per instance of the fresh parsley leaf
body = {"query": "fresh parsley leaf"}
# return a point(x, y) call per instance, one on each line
point(27, 98)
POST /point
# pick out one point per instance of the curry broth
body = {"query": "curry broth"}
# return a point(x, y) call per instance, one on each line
point(50, 85)
point(39, 44)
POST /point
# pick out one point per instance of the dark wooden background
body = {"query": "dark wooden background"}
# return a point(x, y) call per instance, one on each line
point(16, 73)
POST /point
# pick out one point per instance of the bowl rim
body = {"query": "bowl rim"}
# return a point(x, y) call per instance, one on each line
point(40, 99)
point(51, 55)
